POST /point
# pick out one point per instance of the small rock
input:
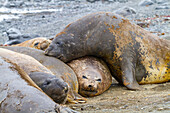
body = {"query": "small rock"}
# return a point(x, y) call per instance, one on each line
point(160, 109)
point(92, 1)
point(14, 4)
point(162, 7)
point(43, 16)
point(12, 42)
point(146, 3)
point(124, 107)
point(161, 1)
point(13, 33)
point(14, 36)
point(125, 11)
point(143, 24)
point(154, 1)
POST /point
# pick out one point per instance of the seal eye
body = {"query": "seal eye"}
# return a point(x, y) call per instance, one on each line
point(58, 43)
point(36, 44)
point(47, 82)
point(84, 77)
point(99, 80)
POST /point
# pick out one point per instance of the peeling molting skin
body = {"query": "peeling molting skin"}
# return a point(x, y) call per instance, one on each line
point(129, 50)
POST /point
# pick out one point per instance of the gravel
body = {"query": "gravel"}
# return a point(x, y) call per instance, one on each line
point(46, 18)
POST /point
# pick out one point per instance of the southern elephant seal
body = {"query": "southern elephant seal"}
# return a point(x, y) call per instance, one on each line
point(134, 55)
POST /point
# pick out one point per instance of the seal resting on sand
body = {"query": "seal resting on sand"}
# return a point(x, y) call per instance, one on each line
point(134, 55)
point(93, 75)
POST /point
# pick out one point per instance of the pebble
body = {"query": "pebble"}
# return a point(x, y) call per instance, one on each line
point(162, 7)
point(161, 1)
point(13, 33)
point(146, 3)
point(125, 11)
point(14, 4)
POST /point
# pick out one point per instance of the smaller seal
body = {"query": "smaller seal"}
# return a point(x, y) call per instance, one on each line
point(37, 43)
point(93, 75)
point(19, 94)
point(54, 87)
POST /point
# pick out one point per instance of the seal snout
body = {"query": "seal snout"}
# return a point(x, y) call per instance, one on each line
point(90, 86)
point(65, 89)
point(48, 50)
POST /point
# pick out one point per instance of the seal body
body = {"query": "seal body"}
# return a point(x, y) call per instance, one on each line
point(133, 54)
point(93, 75)
point(19, 94)
point(55, 87)
point(57, 67)
point(37, 43)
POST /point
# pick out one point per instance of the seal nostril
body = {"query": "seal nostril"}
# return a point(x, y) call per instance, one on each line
point(46, 51)
point(65, 89)
point(90, 86)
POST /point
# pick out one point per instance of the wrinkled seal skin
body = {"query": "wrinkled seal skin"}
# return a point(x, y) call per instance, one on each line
point(19, 94)
point(93, 75)
point(37, 43)
point(55, 87)
point(57, 67)
point(134, 55)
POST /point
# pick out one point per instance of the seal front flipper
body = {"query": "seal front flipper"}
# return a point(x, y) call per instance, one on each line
point(128, 65)
point(74, 98)
point(79, 98)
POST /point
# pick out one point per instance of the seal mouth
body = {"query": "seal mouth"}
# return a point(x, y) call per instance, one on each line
point(91, 91)
point(59, 57)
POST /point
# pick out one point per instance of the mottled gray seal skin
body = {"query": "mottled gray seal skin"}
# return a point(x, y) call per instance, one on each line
point(55, 87)
point(134, 55)
point(19, 95)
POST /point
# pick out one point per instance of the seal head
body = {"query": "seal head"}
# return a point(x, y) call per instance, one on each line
point(93, 75)
point(56, 88)
point(90, 82)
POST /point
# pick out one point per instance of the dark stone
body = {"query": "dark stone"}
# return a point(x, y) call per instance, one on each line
point(146, 3)
point(162, 7)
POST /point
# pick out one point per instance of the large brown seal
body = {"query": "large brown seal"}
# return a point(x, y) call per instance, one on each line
point(93, 75)
point(19, 94)
point(37, 43)
point(57, 67)
point(55, 87)
point(133, 54)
